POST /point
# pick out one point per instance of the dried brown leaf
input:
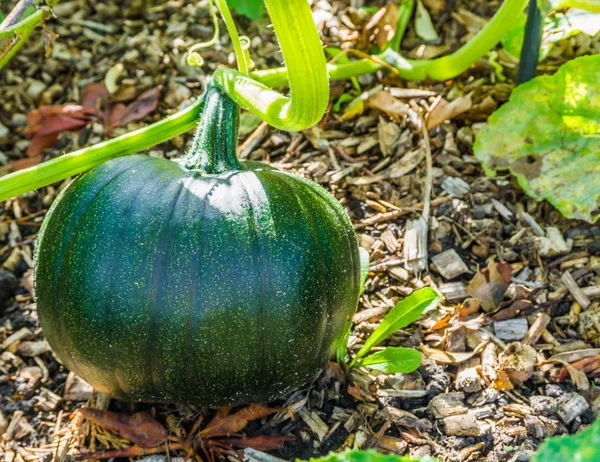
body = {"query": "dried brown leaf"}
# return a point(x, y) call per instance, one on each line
point(47, 122)
point(383, 24)
point(237, 422)
point(447, 110)
point(141, 428)
point(385, 102)
point(260, 443)
point(517, 362)
point(145, 104)
point(447, 357)
point(93, 94)
point(490, 284)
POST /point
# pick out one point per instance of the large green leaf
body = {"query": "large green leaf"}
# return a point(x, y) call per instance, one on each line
point(548, 136)
point(590, 5)
point(367, 456)
point(556, 28)
point(253, 9)
point(393, 360)
point(583, 447)
point(404, 313)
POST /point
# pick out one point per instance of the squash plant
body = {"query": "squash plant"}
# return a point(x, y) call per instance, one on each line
point(211, 280)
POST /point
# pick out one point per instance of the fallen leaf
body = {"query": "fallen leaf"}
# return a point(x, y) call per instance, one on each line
point(93, 94)
point(221, 413)
point(49, 38)
point(388, 133)
point(448, 110)
point(586, 365)
point(578, 377)
point(27, 162)
point(237, 422)
point(260, 443)
point(517, 362)
point(385, 102)
point(383, 24)
point(448, 357)
point(47, 122)
point(489, 285)
point(140, 108)
point(141, 428)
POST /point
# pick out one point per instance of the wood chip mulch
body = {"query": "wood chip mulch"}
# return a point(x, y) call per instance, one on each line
point(511, 354)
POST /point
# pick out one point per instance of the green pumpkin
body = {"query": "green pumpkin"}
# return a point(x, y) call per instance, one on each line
point(205, 280)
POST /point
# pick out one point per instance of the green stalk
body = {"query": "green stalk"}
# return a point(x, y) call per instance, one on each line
point(309, 90)
point(235, 37)
point(303, 54)
point(80, 161)
point(21, 32)
point(530, 51)
point(444, 68)
point(405, 12)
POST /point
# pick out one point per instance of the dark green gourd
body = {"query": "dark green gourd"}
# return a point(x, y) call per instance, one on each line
point(209, 280)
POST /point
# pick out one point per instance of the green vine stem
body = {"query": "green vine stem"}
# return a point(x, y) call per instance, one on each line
point(19, 33)
point(303, 54)
point(530, 51)
point(444, 68)
point(405, 12)
point(297, 34)
point(235, 38)
point(80, 161)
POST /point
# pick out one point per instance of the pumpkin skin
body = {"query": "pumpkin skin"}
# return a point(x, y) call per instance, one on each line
point(207, 281)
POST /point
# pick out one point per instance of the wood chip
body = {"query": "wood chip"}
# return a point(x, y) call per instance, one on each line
point(462, 425)
point(447, 404)
point(314, 422)
point(575, 291)
point(456, 187)
point(571, 406)
point(399, 417)
point(390, 241)
point(449, 264)
point(76, 389)
point(454, 291)
point(502, 210)
point(467, 376)
point(415, 245)
point(511, 329)
point(17, 336)
point(537, 329)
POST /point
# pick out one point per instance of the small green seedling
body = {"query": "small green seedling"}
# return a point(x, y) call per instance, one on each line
point(393, 360)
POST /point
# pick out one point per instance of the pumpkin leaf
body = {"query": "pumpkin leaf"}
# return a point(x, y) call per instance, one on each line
point(547, 135)
point(141, 428)
point(582, 447)
point(393, 360)
point(590, 5)
point(556, 28)
point(235, 423)
point(366, 456)
point(252, 9)
point(404, 313)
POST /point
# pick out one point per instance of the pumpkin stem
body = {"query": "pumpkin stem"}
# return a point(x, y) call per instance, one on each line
point(214, 148)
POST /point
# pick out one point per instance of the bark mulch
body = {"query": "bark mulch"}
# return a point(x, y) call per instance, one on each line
point(510, 356)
